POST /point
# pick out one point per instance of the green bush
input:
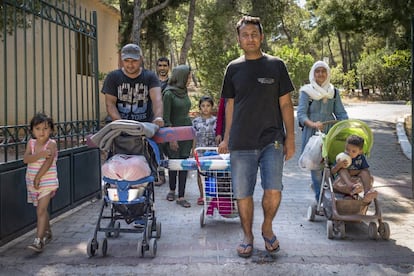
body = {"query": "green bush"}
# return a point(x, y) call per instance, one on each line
point(387, 73)
point(298, 66)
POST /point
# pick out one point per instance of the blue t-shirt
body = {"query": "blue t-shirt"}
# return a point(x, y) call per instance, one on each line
point(359, 163)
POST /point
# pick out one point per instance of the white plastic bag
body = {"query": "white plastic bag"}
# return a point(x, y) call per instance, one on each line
point(311, 157)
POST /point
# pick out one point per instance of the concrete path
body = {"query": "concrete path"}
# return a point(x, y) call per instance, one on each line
point(187, 249)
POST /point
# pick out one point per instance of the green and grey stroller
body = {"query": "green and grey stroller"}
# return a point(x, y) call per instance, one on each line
point(337, 208)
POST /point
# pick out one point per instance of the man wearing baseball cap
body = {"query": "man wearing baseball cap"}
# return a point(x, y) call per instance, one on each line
point(133, 92)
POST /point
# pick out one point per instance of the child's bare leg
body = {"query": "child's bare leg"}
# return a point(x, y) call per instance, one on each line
point(346, 179)
point(366, 179)
point(42, 216)
point(340, 186)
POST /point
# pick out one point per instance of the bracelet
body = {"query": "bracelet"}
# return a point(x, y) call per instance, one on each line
point(158, 119)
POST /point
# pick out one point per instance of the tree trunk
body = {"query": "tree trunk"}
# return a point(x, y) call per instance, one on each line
point(333, 62)
point(137, 23)
point(349, 52)
point(343, 53)
point(140, 16)
point(289, 38)
point(125, 26)
point(189, 36)
point(257, 9)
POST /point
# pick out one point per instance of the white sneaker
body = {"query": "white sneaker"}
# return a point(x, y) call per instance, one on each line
point(37, 245)
point(48, 237)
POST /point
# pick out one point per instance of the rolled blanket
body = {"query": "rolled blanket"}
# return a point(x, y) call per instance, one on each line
point(104, 137)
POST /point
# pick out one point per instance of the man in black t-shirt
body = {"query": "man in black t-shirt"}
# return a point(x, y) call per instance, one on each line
point(259, 130)
point(133, 92)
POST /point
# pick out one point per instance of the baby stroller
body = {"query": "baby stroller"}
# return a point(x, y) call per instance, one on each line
point(215, 176)
point(334, 206)
point(128, 199)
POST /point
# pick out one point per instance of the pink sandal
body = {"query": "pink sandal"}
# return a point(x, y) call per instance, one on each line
point(200, 201)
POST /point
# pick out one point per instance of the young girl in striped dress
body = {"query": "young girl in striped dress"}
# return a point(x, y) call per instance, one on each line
point(41, 175)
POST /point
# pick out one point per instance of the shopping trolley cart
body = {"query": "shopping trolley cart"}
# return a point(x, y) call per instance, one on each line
point(215, 174)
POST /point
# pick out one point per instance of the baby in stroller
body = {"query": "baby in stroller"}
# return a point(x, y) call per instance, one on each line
point(353, 177)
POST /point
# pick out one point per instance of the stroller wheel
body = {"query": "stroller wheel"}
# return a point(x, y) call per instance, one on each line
point(341, 229)
point(373, 230)
point(202, 219)
point(311, 212)
point(103, 247)
point(108, 234)
point(153, 247)
point(158, 229)
point(329, 229)
point(149, 230)
point(140, 249)
point(384, 230)
point(91, 247)
point(117, 228)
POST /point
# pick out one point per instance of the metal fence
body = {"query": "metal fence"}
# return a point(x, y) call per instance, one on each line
point(48, 60)
point(48, 63)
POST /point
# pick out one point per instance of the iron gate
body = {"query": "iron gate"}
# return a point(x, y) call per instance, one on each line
point(48, 59)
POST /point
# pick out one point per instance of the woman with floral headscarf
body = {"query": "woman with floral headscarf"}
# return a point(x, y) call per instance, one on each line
point(319, 102)
point(177, 104)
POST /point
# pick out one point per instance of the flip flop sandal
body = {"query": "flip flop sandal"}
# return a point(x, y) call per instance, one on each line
point(245, 254)
point(270, 242)
point(200, 201)
point(161, 181)
point(171, 196)
point(184, 203)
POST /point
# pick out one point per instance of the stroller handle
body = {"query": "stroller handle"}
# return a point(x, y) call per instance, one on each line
point(330, 122)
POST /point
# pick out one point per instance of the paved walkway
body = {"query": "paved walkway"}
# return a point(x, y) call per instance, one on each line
point(187, 249)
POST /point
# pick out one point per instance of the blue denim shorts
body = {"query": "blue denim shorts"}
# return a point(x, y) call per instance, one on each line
point(245, 165)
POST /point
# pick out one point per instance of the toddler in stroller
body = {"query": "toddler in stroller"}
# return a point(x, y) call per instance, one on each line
point(348, 197)
point(129, 176)
point(352, 176)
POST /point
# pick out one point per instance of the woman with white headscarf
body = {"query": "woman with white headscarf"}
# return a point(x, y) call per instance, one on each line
point(319, 102)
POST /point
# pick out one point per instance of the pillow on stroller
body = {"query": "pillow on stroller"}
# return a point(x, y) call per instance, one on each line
point(126, 167)
point(133, 193)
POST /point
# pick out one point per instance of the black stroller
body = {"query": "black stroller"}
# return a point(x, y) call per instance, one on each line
point(128, 200)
